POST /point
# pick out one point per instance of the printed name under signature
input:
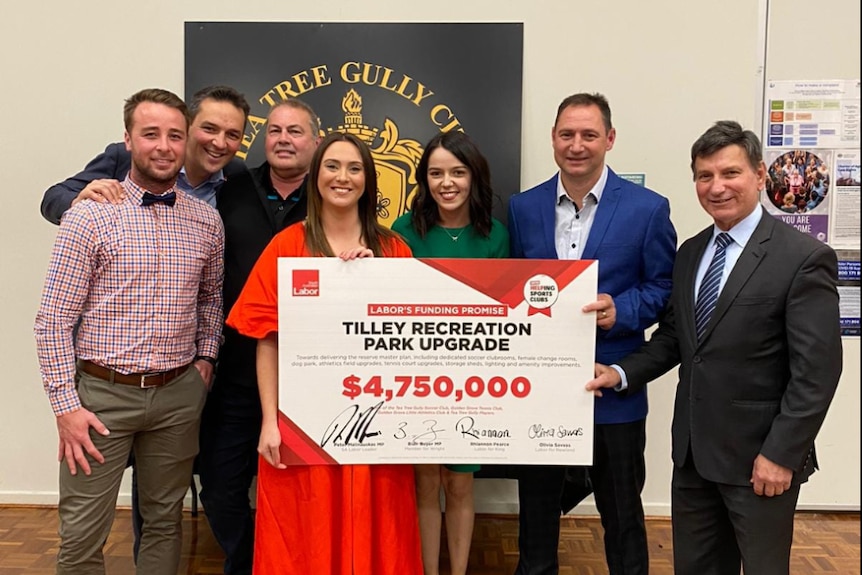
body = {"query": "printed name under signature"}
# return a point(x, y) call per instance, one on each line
point(351, 426)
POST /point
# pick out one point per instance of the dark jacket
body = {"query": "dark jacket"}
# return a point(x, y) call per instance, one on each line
point(114, 163)
point(761, 378)
point(249, 225)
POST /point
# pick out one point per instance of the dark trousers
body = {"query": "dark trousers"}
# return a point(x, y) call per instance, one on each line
point(539, 490)
point(230, 430)
point(718, 527)
point(617, 476)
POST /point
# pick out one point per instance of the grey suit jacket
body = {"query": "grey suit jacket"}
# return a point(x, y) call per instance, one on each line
point(761, 379)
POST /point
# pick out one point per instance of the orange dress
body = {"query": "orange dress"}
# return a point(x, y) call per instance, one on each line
point(325, 519)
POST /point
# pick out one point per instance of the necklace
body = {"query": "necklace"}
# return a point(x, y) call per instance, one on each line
point(456, 236)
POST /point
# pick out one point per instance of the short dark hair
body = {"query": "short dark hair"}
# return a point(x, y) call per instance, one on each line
point(727, 133)
point(585, 99)
point(219, 94)
point(425, 213)
point(298, 104)
point(155, 96)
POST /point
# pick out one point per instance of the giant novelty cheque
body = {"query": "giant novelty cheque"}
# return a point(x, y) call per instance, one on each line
point(399, 360)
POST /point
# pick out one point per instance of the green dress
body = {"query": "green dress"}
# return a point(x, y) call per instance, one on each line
point(454, 243)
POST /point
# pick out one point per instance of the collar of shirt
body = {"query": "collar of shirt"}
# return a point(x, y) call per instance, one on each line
point(596, 190)
point(740, 234)
point(742, 231)
point(269, 188)
point(206, 190)
point(572, 225)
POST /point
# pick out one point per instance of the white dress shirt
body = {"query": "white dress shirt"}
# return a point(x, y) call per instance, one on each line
point(740, 234)
point(572, 225)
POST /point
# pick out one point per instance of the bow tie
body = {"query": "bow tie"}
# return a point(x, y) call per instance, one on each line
point(168, 199)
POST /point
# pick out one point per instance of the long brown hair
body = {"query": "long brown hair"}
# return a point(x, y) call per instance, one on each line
point(373, 233)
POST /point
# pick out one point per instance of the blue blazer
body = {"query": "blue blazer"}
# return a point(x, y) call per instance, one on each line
point(634, 241)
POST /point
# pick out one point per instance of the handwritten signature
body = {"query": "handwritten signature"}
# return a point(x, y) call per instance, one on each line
point(351, 426)
point(429, 434)
point(538, 431)
point(466, 426)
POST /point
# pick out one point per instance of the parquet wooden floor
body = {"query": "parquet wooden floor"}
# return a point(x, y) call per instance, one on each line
point(823, 543)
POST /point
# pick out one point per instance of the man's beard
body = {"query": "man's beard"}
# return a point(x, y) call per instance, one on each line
point(152, 179)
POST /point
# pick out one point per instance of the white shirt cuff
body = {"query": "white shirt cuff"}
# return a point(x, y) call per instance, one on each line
point(624, 382)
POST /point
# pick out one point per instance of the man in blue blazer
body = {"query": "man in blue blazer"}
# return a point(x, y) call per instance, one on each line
point(588, 212)
point(754, 325)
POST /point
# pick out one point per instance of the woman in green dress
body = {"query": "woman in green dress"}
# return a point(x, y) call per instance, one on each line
point(450, 218)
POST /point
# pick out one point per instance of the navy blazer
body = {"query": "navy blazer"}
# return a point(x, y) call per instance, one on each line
point(114, 163)
point(634, 241)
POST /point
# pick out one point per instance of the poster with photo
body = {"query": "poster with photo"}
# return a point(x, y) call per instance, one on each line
point(798, 189)
point(810, 137)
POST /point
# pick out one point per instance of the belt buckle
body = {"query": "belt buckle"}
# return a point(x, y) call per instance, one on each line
point(144, 380)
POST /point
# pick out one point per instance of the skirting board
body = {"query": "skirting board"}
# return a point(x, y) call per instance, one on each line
point(498, 507)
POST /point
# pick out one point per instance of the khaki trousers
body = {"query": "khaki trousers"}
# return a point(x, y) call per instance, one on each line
point(161, 425)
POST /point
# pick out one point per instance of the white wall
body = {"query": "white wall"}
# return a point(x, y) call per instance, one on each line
point(669, 68)
point(831, 53)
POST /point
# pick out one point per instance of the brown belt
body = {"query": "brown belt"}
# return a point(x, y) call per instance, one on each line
point(144, 380)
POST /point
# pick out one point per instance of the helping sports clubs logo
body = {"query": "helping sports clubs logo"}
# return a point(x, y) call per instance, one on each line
point(541, 292)
point(306, 283)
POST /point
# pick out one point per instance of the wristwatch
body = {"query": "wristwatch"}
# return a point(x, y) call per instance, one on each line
point(210, 360)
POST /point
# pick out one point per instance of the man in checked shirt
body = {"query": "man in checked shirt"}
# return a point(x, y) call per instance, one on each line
point(145, 278)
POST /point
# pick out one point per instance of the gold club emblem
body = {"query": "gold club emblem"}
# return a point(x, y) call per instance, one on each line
point(396, 159)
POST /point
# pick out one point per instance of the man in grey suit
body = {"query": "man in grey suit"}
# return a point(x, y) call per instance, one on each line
point(753, 322)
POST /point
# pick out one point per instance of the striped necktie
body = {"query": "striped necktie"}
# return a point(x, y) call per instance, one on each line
point(707, 296)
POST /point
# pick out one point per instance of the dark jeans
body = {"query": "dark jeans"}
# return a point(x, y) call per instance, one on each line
point(227, 464)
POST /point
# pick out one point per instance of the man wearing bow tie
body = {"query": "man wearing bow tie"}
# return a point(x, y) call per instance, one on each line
point(218, 117)
point(143, 276)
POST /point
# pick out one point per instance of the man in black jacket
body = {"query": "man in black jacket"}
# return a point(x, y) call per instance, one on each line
point(254, 207)
point(753, 323)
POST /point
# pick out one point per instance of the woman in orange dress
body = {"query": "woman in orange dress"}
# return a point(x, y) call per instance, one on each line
point(325, 519)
